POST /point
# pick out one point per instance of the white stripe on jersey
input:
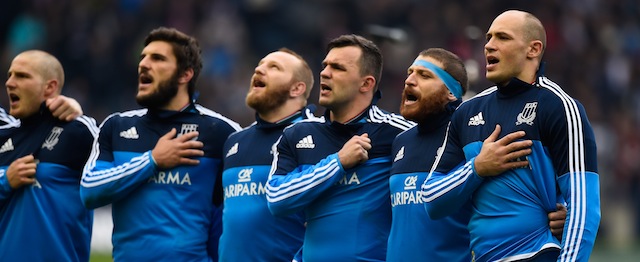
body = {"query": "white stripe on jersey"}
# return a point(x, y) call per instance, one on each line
point(376, 115)
point(303, 183)
point(209, 112)
point(93, 179)
point(576, 171)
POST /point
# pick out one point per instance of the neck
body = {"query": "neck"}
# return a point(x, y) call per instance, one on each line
point(180, 101)
point(289, 108)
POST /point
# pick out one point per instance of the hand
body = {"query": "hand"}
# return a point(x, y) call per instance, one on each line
point(64, 108)
point(171, 151)
point(355, 151)
point(22, 172)
point(498, 156)
point(557, 219)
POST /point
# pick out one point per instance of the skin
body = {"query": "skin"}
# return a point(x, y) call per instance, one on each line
point(347, 93)
point(158, 63)
point(274, 93)
point(508, 52)
point(29, 83)
point(424, 93)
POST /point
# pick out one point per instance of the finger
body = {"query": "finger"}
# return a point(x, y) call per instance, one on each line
point(188, 136)
point(170, 135)
point(191, 144)
point(511, 137)
point(53, 103)
point(189, 161)
point(520, 145)
point(27, 180)
point(494, 135)
point(561, 207)
point(516, 164)
point(191, 153)
point(518, 154)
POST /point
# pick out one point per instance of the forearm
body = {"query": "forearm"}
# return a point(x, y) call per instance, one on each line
point(444, 193)
point(294, 191)
point(105, 182)
point(583, 216)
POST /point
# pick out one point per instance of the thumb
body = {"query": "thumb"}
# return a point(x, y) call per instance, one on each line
point(494, 136)
point(365, 135)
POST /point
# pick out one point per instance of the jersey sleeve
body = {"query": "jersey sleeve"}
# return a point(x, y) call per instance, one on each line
point(104, 182)
point(5, 187)
point(571, 143)
point(291, 187)
point(452, 180)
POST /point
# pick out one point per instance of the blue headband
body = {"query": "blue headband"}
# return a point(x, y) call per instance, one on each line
point(453, 85)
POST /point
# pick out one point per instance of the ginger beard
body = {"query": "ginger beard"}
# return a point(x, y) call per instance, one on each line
point(161, 97)
point(264, 98)
point(425, 104)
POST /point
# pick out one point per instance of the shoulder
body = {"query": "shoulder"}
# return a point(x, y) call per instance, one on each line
point(378, 115)
point(217, 117)
point(555, 98)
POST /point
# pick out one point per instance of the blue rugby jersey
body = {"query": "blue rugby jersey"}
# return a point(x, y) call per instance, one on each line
point(46, 221)
point(414, 235)
point(250, 231)
point(157, 214)
point(348, 211)
point(509, 219)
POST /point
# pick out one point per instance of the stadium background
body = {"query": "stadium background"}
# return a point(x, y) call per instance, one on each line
point(593, 53)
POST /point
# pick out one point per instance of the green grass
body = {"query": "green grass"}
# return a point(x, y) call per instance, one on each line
point(100, 257)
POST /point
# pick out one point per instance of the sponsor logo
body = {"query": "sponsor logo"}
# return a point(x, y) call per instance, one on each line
point(476, 120)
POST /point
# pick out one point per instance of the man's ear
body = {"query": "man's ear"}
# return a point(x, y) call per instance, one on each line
point(535, 49)
point(51, 88)
point(186, 76)
point(297, 89)
point(368, 84)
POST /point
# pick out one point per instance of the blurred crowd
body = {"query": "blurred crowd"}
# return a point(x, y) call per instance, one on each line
point(593, 53)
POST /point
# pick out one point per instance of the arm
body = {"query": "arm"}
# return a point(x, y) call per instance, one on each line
point(64, 108)
point(104, 181)
point(572, 147)
point(21, 172)
point(292, 191)
point(445, 191)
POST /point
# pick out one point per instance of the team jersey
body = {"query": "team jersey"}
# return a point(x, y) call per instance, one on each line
point(348, 211)
point(158, 214)
point(509, 219)
point(250, 231)
point(414, 235)
point(46, 221)
point(7, 121)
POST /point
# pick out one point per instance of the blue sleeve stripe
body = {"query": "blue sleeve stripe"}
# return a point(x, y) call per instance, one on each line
point(434, 190)
point(101, 177)
point(577, 170)
point(303, 183)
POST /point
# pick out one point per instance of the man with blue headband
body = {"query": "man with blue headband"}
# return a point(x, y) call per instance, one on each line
point(514, 157)
point(435, 84)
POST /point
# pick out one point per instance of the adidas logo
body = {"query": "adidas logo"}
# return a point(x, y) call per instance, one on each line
point(233, 150)
point(130, 133)
point(8, 146)
point(306, 142)
point(399, 155)
point(476, 120)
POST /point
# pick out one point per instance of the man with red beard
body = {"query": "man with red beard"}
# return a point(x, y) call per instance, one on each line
point(433, 90)
point(160, 181)
point(278, 92)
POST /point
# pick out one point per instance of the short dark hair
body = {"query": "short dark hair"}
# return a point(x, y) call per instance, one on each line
point(371, 59)
point(185, 48)
point(452, 64)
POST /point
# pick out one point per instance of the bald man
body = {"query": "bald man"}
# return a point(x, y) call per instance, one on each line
point(516, 158)
point(41, 161)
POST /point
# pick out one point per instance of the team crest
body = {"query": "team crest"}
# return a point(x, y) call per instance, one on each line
point(528, 114)
point(52, 139)
point(186, 128)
